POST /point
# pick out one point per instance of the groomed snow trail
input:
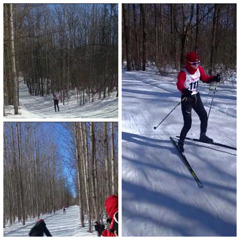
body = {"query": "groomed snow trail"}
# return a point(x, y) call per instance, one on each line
point(159, 195)
point(59, 225)
point(42, 107)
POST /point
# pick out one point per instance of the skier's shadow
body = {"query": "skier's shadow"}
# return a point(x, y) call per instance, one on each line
point(160, 201)
point(146, 141)
point(212, 148)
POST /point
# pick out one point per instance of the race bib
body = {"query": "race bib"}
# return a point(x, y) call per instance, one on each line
point(191, 82)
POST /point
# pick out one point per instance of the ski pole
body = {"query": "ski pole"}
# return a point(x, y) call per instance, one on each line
point(169, 113)
point(210, 87)
point(215, 89)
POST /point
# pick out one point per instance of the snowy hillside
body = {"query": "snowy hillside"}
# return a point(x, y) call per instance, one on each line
point(159, 194)
point(42, 107)
point(59, 225)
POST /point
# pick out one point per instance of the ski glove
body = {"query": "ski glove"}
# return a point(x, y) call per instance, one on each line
point(217, 78)
point(186, 92)
point(188, 97)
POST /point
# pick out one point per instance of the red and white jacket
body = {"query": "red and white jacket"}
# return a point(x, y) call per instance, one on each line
point(188, 78)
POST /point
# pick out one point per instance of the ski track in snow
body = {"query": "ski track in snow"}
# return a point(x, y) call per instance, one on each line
point(59, 225)
point(42, 107)
point(159, 194)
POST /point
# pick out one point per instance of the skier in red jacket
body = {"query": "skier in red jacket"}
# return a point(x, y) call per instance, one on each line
point(111, 206)
point(187, 84)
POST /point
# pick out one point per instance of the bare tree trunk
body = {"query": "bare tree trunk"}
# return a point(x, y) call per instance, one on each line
point(156, 33)
point(13, 60)
point(79, 172)
point(197, 28)
point(137, 54)
point(85, 169)
point(106, 159)
point(15, 171)
point(87, 177)
point(185, 29)
point(94, 196)
point(113, 159)
point(174, 36)
point(142, 10)
point(214, 36)
point(22, 201)
point(161, 32)
point(37, 202)
point(127, 35)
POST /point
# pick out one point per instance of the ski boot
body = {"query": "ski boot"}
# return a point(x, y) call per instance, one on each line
point(180, 146)
point(205, 138)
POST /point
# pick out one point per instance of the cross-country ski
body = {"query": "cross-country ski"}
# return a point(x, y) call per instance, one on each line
point(185, 161)
point(213, 143)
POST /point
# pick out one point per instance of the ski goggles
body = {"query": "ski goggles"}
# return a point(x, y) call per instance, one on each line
point(195, 63)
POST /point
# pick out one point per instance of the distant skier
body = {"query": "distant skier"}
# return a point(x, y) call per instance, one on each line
point(55, 101)
point(111, 206)
point(64, 210)
point(39, 229)
point(187, 84)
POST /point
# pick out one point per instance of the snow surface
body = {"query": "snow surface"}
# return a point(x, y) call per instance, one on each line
point(42, 107)
point(159, 195)
point(58, 224)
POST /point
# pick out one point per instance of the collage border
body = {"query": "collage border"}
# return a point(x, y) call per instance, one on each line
point(119, 119)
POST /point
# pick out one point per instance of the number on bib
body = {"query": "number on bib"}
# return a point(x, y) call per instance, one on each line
point(193, 86)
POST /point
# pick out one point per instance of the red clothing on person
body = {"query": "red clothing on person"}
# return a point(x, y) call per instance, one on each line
point(107, 233)
point(111, 205)
point(194, 72)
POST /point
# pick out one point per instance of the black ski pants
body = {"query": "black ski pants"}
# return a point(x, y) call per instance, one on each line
point(195, 103)
point(56, 105)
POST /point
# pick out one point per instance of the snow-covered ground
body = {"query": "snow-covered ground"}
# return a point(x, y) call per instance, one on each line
point(58, 224)
point(42, 107)
point(159, 195)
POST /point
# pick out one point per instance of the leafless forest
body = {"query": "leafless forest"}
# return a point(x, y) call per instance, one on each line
point(60, 48)
point(51, 165)
point(163, 33)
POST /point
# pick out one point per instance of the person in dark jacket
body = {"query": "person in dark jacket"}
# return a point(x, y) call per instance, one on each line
point(39, 229)
point(99, 228)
